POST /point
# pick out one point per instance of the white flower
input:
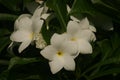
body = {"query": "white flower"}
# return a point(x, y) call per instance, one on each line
point(22, 31)
point(82, 28)
point(23, 22)
point(24, 36)
point(84, 24)
point(72, 17)
point(39, 1)
point(75, 19)
point(81, 34)
point(59, 53)
point(37, 22)
point(26, 28)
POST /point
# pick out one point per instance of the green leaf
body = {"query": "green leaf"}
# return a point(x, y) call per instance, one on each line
point(4, 41)
point(5, 16)
point(4, 75)
point(30, 5)
point(102, 63)
point(4, 32)
point(21, 61)
point(33, 77)
point(54, 27)
point(13, 5)
point(46, 34)
point(103, 3)
point(82, 7)
point(106, 72)
point(28, 68)
point(106, 48)
point(115, 40)
point(111, 8)
point(60, 11)
point(102, 21)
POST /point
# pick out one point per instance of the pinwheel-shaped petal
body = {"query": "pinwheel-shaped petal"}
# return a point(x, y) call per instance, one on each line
point(59, 53)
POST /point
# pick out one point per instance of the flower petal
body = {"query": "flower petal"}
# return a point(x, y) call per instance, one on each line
point(74, 19)
point(86, 34)
point(92, 28)
point(72, 27)
point(84, 47)
point(37, 12)
point(23, 15)
point(68, 9)
point(39, 1)
point(84, 23)
point(37, 25)
point(23, 46)
point(45, 16)
point(57, 40)
point(21, 35)
point(56, 65)
point(10, 44)
point(69, 47)
point(48, 52)
point(45, 9)
point(23, 22)
point(69, 63)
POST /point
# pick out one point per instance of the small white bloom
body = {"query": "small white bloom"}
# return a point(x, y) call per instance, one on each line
point(80, 34)
point(68, 9)
point(84, 24)
point(75, 19)
point(82, 28)
point(60, 54)
point(23, 36)
point(26, 28)
point(23, 22)
point(72, 17)
point(39, 1)
point(37, 21)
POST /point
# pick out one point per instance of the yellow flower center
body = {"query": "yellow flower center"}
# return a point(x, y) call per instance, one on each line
point(73, 39)
point(59, 53)
point(31, 35)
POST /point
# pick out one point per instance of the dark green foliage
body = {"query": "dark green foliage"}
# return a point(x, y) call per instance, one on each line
point(102, 64)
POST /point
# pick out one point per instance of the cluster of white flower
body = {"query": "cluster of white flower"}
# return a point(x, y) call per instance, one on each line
point(63, 48)
point(66, 47)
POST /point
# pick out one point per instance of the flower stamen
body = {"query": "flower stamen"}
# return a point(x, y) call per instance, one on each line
point(73, 39)
point(59, 53)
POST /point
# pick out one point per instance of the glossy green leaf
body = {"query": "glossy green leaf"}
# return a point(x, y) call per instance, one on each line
point(115, 40)
point(60, 11)
point(4, 75)
point(30, 5)
point(13, 5)
point(111, 8)
point(4, 38)
point(106, 48)
point(5, 16)
point(106, 72)
point(82, 7)
point(107, 5)
point(21, 61)
point(102, 21)
point(4, 32)
point(102, 63)
point(4, 42)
